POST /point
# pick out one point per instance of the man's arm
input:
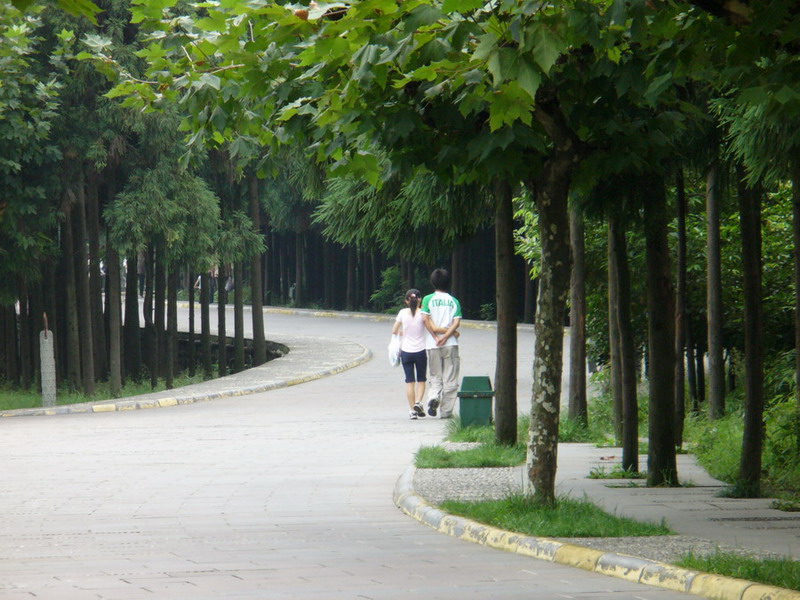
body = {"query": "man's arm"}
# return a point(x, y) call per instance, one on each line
point(450, 331)
point(432, 329)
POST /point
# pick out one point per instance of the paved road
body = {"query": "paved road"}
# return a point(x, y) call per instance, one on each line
point(283, 494)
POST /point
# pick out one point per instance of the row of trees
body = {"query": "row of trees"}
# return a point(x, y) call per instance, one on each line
point(96, 213)
point(426, 120)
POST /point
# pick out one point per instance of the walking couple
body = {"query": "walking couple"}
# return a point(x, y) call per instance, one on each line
point(429, 333)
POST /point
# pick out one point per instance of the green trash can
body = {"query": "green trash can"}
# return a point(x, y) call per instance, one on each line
point(475, 400)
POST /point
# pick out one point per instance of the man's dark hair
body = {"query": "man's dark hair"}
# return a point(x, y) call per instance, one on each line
point(440, 280)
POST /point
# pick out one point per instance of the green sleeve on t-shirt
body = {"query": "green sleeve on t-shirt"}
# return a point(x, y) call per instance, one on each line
point(425, 302)
point(458, 309)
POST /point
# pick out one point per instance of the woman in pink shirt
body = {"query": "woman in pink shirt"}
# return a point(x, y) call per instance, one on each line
point(411, 327)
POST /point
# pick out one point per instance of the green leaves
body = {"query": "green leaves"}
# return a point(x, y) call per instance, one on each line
point(510, 104)
point(529, 78)
point(462, 6)
point(149, 10)
point(546, 46)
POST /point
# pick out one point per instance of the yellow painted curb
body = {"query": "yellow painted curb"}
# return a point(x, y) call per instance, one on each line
point(622, 566)
point(163, 402)
point(758, 591)
point(717, 587)
point(631, 568)
point(578, 556)
point(668, 577)
point(99, 408)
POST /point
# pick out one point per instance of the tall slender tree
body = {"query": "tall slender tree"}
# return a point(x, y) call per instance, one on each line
point(506, 360)
point(662, 464)
point(716, 363)
point(749, 483)
point(578, 405)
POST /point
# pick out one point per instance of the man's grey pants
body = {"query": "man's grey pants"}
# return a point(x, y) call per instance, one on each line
point(444, 367)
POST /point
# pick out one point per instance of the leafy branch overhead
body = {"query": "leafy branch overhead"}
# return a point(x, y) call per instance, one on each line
point(357, 77)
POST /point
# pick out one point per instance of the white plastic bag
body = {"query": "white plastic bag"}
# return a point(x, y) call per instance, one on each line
point(394, 350)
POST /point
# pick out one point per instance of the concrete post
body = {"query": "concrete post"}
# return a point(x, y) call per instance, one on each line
point(48, 360)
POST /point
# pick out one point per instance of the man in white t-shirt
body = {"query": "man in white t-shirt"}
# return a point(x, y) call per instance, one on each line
point(441, 311)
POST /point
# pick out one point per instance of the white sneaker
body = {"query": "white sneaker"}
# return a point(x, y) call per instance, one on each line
point(412, 415)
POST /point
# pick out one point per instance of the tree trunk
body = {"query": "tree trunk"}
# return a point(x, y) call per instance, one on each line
point(84, 295)
point(551, 190)
point(171, 354)
point(328, 254)
point(50, 308)
point(238, 318)
point(796, 256)
point(132, 329)
point(114, 321)
point(147, 312)
point(681, 324)
point(716, 364)
point(730, 380)
point(351, 278)
point(627, 349)
point(73, 346)
point(159, 328)
point(147, 302)
point(283, 270)
point(256, 293)
point(614, 346)
point(222, 334)
point(25, 351)
point(530, 294)
point(192, 325)
point(753, 438)
point(36, 304)
point(662, 466)
point(458, 283)
point(701, 375)
point(10, 334)
point(691, 372)
point(96, 278)
point(5, 346)
point(299, 272)
point(551, 200)
point(578, 408)
point(205, 324)
point(505, 378)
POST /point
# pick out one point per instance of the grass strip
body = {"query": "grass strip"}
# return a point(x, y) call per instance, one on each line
point(11, 398)
point(780, 572)
point(569, 518)
point(487, 455)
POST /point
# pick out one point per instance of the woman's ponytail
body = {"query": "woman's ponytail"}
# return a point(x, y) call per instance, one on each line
point(413, 302)
point(412, 297)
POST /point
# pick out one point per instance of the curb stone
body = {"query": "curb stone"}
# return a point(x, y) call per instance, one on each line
point(226, 387)
point(631, 568)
